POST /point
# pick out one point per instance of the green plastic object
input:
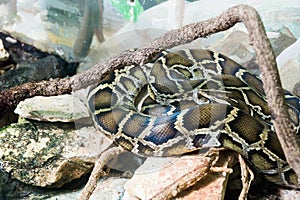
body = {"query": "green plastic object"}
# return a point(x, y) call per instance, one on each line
point(129, 10)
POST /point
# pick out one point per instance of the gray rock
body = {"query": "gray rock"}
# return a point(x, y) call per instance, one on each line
point(49, 154)
point(37, 70)
point(236, 45)
point(239, 50)
point(289, 66)
point(63, 108)
point(282, 39)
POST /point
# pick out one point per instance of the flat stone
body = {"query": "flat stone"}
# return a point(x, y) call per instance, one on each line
point(49, 154)
point(158, 175)
point(62, 108)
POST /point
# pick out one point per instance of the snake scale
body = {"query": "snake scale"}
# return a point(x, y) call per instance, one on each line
point(186, 100)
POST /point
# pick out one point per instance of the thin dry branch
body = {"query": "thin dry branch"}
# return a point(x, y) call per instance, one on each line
point(11, 97)
point(272, 87)
point(104, 158)
point(188, 33)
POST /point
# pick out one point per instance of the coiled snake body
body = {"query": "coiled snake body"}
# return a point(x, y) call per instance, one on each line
point(189, 99)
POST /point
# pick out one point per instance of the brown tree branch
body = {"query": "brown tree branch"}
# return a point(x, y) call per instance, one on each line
point(11, 97)
point(171, 39)
point(104, 158)
point(272, 87)
point(188, 33)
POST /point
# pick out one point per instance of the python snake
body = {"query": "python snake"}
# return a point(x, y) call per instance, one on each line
point(189, 99)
